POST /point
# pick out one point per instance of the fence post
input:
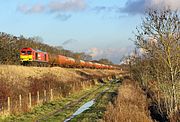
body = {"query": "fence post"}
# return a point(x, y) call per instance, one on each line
point(59, 93)
point(73, 88)
point(2, 109)
point(83, 85)
point(20, 101)
point(51, 93)
point(9, 104)
point(45, 95)
point(90, 85)
point(37, 97)
point(30, 100)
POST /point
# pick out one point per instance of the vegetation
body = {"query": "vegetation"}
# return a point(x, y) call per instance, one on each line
point(96, 112)
point(130, 105)
point(63, 108)
point(42, 111)
point(19, 80)
point(10, 46)
point(157, 67)
point(105, 61)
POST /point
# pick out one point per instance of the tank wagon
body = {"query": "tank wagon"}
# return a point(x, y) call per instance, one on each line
point(30, 56)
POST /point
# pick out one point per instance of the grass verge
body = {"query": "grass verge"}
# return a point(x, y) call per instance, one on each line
point(40, 111)
point(130, 106)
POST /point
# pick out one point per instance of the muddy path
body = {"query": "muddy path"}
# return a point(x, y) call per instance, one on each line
point(67, 106)
point(70, 111)
point(96, 111)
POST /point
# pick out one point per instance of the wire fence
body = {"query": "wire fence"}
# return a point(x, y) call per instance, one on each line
point(25, 102)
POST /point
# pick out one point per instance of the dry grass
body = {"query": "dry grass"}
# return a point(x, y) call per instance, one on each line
point(20, 74)
point(130, 105)
point(16, 80)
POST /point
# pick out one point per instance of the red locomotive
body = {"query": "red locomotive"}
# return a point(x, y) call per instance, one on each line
point(29, 56)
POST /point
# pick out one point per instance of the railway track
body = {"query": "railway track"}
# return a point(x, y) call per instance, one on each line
point(70, 105)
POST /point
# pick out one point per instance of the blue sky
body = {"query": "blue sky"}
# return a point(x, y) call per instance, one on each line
point(101, 28)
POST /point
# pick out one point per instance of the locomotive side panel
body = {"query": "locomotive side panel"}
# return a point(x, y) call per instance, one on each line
point(41, 56)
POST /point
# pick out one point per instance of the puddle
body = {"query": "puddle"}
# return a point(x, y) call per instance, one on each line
point(81, 109)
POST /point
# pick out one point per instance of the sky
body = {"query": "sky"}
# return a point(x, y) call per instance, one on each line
point(101, 28)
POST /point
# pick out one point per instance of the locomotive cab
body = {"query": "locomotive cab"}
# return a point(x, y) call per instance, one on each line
point(26, 54)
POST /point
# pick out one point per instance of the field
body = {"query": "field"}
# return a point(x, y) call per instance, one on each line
point(39, 85)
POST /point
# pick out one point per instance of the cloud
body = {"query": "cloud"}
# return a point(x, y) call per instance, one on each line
point(23, 8)
point(37, 8)
point(140, 6)
point(99, 9)
point(173, 4)
point(63, 17)
point(69, 41)
point(113, 54)
point(61, 9)
point(95, 52)
point(67, 6)
point(133, 7)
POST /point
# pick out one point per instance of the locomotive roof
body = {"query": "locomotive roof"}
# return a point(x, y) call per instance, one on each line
point(40, 51)
point(33, 49)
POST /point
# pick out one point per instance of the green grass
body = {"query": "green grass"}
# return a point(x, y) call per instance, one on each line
point(45, 108)
point(96, 112)
point(68, 112)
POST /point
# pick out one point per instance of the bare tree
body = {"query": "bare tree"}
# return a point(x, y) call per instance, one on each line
point(159, 38)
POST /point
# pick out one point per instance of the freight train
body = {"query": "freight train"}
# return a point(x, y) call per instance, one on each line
point(30, 56)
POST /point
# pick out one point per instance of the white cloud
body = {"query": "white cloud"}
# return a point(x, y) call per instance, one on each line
point(62, 9)
point(173, 4)
point(113, 54)
point(37, 8)
point(66, 6)
point(54, 6)
point(23, 8)
point(95, 52)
